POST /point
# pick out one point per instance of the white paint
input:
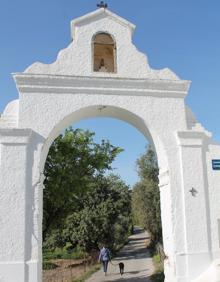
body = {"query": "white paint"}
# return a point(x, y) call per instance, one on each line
point(211, 274)
point(9, 118)
point(51, 97)
point(219, 231)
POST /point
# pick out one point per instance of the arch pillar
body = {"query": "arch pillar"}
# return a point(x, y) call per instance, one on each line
point(196, 254)
point(15, 176)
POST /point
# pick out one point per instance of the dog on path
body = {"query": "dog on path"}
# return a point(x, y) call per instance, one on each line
point(121, 267)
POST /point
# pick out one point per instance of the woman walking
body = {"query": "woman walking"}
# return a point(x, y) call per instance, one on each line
point(104, 257)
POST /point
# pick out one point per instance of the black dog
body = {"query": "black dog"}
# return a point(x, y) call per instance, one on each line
point(121, 267)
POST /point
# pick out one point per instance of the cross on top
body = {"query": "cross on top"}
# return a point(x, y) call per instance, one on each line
point(102, 5)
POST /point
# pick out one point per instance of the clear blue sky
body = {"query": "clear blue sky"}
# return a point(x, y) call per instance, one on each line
point(182, 35)
point(123, 135)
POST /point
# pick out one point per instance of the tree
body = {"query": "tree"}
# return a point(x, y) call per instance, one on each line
point(73, 165)
point(146, 196)
point(106, 207)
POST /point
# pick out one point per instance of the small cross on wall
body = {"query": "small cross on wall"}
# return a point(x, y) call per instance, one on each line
point(193, 191)
point(102, 5)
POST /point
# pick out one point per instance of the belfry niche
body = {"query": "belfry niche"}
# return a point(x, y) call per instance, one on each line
point(104, 53)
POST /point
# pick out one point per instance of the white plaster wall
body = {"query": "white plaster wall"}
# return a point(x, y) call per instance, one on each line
point(196, 206)
point(52, 97)
point(9, 118)
point(13, 180)
point(150, 114)
point(213, 152)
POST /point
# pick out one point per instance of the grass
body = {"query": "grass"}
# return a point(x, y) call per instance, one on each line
point(87, 274)
point(47, 265)
point(61, 253)
point(64, 253)
point(158, 276)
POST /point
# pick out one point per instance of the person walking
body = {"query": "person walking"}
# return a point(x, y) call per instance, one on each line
point(104, 258)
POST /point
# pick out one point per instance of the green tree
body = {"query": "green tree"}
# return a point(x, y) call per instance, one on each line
point(146, 196)
point(73, 165)
point(106, 207)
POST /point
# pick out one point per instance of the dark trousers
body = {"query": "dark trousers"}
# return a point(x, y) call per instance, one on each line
point(105, 265)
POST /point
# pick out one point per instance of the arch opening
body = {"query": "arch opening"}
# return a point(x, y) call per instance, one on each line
point(112, 112)
point(119, 113)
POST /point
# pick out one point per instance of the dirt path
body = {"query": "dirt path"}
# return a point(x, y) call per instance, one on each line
point(137, 261)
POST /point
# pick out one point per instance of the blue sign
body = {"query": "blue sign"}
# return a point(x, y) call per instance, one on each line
point(216, 164)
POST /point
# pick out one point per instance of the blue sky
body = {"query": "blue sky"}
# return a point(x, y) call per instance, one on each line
point(123, 135)
point(181, 35)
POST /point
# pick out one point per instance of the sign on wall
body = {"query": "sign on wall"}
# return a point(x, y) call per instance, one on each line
point(216, 164)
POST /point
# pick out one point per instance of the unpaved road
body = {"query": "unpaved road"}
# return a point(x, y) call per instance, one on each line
point(136, 258)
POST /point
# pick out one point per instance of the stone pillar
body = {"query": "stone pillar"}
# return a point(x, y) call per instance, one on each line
point(196, 257)
point(15, 172)
point(167, 224)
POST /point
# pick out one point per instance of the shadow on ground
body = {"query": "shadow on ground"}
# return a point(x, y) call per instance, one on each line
point(130, 273)
point(158, 277)
point(132, 279)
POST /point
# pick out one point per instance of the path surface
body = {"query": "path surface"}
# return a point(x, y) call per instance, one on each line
point(136, 258)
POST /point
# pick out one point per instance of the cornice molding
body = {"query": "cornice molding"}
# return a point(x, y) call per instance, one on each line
point(191, 138)
point(38, 83)
point(19, 136)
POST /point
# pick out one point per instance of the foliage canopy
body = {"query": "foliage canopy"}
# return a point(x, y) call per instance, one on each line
point(82, 205)
point(146, 196)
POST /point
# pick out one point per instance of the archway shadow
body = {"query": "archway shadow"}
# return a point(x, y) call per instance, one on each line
point(132, 279)
point(157, 277)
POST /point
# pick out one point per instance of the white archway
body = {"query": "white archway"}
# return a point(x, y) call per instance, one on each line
point(56, 95)
point(105, 111)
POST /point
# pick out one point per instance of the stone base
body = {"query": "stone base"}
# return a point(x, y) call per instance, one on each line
point(34, 271)
point(20, 272)
point(12, 272)
point(188, 267)
point(212, 274)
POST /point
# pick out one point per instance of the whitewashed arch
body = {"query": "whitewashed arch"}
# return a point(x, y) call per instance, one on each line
point(105, 111)
point(53, 96)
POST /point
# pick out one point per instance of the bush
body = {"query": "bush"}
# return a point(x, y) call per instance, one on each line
point(158, 276)
point(146, 197)
point(64, 253)
point(47, 265)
